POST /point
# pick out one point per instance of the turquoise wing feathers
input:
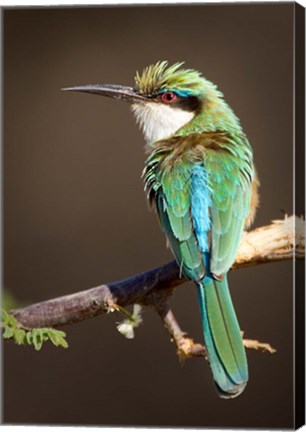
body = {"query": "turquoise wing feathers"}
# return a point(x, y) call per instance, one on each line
point(231, 181)
point(202, 196)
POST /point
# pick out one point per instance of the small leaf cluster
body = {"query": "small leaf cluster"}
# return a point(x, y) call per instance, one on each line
point(35, 336)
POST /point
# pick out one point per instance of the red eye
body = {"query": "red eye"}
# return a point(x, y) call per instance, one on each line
point(168, 97)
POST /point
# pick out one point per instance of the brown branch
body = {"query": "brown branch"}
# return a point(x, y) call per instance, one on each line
point(282, 240)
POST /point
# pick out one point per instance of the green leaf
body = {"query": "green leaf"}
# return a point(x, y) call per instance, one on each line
point(29, 337)
point(53, 337)
point(62, 342)
point(44, 333)
point(4, 315)
point(11, 320)
point(8, 319)
point(37, 339)
point(19, 336)
point(8, 332)
point(57, 337)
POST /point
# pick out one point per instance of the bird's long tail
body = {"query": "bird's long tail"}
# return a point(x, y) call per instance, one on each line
point(223, 340)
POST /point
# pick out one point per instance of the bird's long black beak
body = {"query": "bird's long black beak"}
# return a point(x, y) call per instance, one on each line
point(127, 94)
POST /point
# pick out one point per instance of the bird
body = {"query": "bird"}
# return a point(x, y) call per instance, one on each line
point(200, 178)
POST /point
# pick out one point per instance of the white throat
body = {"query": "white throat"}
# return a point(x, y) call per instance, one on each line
point(159, 121)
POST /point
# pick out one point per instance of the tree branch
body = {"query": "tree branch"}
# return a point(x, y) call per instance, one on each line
point(282, 240)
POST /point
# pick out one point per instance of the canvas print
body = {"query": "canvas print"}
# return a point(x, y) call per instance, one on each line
point(153, 226)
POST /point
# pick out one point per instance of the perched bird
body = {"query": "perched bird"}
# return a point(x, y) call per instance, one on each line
point(200, 177)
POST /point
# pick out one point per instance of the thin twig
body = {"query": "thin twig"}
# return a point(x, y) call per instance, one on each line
point(261, 346)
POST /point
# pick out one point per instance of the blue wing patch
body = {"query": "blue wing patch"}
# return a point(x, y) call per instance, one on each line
point(200, 203)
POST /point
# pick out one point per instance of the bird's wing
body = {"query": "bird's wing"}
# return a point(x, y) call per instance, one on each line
point(174, 202)
point(230, 180)
point(202, 203)
point(169, 189)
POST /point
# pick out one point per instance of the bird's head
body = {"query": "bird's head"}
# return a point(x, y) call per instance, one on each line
point(174, 97)
point(164, 98)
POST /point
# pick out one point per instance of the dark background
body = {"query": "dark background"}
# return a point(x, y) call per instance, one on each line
point(75, 214)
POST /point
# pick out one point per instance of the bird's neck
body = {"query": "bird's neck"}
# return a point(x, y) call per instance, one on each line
point(215, 115)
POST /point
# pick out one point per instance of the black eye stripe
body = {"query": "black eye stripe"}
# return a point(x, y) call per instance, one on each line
point(189, 103)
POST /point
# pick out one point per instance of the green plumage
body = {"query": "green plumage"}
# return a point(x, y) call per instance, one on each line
point(158, 77)
point(168, 173)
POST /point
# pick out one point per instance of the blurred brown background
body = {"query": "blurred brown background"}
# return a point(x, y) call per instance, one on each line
point(75, 214)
